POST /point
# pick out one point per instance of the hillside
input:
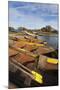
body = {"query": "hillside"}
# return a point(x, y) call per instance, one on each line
point(48, 29)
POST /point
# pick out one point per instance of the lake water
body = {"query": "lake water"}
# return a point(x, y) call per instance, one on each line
point(52, 40)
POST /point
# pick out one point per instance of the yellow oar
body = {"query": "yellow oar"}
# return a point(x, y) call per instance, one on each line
point(37, 77)
point(33, 74)
point(31, 43)
point(24, 51)
point(52, 60)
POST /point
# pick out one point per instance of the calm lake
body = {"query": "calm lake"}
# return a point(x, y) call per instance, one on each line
point(52, 40)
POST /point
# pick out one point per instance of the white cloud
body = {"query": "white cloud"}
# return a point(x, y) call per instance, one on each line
point(46, 9)
point(17, 18)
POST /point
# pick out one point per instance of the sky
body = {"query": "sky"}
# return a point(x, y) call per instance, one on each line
point(32, 15)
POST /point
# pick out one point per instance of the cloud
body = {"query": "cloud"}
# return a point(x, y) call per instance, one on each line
point(32, 15)
point(41, 9)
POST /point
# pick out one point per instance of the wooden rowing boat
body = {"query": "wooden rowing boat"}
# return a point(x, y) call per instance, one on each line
point(43, 62)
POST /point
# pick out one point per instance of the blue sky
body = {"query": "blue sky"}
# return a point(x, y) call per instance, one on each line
point(32, 15)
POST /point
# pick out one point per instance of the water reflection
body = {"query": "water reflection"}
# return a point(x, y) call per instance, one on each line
point(52, 40)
